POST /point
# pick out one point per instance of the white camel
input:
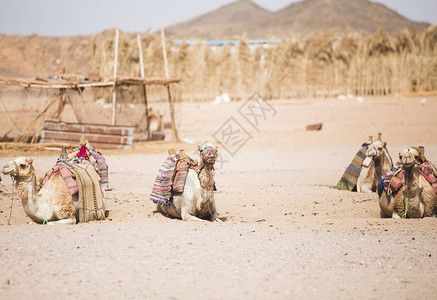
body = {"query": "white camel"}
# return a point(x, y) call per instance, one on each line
point(197, 202)
point(52, 204)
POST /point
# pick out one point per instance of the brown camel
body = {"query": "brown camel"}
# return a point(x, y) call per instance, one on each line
point(416, 198)
point(380, 163)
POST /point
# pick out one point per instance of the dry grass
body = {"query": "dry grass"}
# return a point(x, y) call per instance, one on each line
point(324, 64)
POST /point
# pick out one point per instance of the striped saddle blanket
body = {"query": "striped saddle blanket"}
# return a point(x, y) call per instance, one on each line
point(171, 178)
point(394, 179)
point(65, 170)
point(349, 179)
point(102, 166)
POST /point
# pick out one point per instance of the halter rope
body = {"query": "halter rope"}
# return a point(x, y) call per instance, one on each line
point(12, 200)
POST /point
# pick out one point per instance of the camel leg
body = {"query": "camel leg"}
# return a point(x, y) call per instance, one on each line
point(395, 215)
point(422, 209)
point(71, 221)
point(186, 216)
point(214, 217)
point(382, 214)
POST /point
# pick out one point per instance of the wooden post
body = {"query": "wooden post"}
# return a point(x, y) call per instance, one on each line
point(61, 104)
point(140, 50)
point(173, 126)
point(164, 52)
point(115, 77)
point(170, 102)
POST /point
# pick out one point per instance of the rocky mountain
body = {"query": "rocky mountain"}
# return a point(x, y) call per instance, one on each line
point(226, 21)
point(303, 17)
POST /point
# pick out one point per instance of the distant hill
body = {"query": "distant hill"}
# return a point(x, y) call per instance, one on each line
point(303, 17)
point(227, 20)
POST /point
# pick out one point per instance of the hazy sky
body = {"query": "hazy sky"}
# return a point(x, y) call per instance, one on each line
point(83, 17)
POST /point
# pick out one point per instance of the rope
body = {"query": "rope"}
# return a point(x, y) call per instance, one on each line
point(391, 179)
point(12, 201)
point(406, 203)
point(388, 155)
point(12, 120)
point(406, 210)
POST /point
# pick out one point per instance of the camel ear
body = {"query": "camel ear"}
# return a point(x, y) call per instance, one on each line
point(29, 160)
point(198, 148)
point(384, 144)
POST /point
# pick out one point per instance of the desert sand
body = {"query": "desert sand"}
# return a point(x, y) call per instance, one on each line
point(287, 232)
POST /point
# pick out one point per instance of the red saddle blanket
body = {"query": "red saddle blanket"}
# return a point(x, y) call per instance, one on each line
point(396, 178)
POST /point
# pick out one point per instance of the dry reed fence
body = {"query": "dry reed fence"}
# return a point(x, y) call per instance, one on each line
point(320, 65)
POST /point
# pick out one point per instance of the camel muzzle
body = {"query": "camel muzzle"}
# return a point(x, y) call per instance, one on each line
point(9, 169)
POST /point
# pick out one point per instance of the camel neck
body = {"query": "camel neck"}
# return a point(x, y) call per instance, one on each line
point(206, 178)
point(26, 189)
point(382, 165)
point(411, 180)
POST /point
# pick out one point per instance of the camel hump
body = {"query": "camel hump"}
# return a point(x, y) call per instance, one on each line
point(58, 190)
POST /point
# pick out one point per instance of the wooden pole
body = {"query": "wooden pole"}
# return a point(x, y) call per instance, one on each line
point(170, 101)
point(115, 77)
point(164, 52)
point(173, 127)
point(140, 50)
point(61, 104)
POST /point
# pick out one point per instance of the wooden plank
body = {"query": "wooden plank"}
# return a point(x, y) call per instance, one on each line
point(102, 136)
point(54, 136)
point(94, 144)
point(62, 84)
point(88, 128)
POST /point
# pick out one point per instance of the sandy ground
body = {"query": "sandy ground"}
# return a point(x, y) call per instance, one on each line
point(288, 233)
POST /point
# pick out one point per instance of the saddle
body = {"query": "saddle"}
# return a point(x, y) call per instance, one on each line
point(394, 179)
point(181, 170)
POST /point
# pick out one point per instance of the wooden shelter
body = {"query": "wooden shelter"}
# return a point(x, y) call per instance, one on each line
point(57, 132)
point(91, 131)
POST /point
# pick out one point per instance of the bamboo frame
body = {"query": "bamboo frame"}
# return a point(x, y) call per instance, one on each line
point(63, 84)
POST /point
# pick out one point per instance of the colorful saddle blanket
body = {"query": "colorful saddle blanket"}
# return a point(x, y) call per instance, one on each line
point(171, 178)
point(349, 179)
point(102, 166)
point(64, 169)
point(394, 179)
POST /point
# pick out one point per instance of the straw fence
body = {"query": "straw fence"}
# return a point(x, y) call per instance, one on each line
point(320, 65)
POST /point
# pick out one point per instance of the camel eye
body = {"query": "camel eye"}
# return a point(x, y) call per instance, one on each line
point(22, 166)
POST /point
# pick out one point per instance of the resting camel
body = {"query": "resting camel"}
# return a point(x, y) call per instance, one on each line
point(416, 198)
point(52, 204)
point(380, 164)
point(197, 201)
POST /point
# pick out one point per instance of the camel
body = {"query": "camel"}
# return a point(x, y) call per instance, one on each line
point(196, 203)
point(155, 120)
point(416, 198)
point(379, 162)
point(52, 204)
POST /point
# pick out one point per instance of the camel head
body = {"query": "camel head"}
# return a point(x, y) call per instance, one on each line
point(208, 153)
point(376, 149)
point(409, 157)
point(20, 167)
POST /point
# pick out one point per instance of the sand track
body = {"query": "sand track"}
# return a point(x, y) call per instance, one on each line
point(288, 233)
